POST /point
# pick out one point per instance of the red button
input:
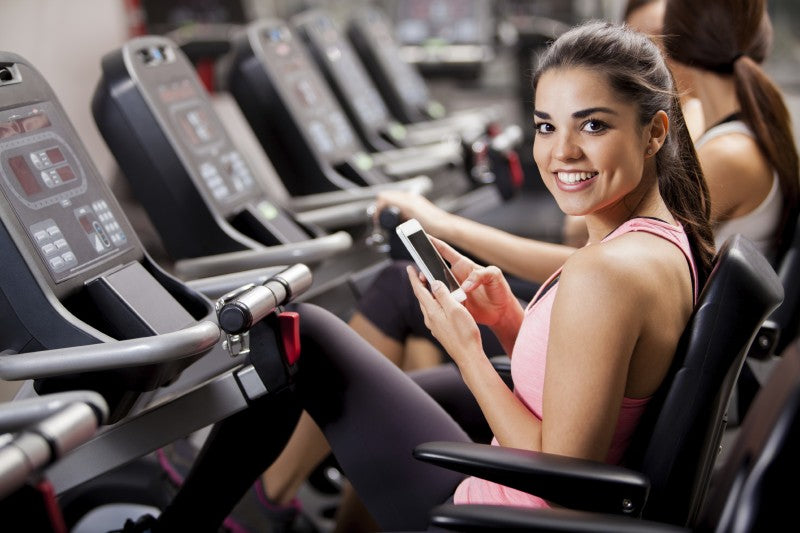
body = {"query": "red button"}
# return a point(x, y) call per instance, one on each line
point(290, 335)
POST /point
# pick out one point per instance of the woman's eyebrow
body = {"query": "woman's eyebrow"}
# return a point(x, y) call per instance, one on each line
point(583, 113)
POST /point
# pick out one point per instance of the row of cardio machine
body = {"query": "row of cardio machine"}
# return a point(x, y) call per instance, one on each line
point(85, 311)
point(320, 176)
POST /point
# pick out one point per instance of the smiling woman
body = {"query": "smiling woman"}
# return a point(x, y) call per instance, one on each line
point(610, 146)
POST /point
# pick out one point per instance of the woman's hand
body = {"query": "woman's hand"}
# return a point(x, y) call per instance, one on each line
point(431, 217)
point(488, 293)
point(449, 321)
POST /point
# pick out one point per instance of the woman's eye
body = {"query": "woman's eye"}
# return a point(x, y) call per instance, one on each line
point(594, 126)
point(543, 127)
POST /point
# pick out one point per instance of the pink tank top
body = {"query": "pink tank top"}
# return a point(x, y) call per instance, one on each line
point(528, 369)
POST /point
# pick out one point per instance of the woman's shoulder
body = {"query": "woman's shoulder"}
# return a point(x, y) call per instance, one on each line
point(738, 175)
point(625, 263)
point(733, 154)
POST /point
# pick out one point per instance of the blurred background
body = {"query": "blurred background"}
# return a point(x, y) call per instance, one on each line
point(470, 51)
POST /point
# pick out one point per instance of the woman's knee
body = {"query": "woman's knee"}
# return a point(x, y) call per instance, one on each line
point(389, 302)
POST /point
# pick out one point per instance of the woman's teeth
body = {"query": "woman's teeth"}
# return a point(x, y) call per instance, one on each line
point(575, 177)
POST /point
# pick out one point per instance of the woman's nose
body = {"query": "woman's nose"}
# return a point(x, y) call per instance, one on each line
point(566, 147)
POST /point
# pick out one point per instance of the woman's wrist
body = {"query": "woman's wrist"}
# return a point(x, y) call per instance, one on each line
point(507, 326)
point(476, 372)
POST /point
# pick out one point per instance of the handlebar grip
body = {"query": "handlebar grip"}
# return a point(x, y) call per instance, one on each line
point(389, 218)
point(240, 311)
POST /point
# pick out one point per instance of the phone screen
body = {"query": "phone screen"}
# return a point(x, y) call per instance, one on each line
point(432, 259)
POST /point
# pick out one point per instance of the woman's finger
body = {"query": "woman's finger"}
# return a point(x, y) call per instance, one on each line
point(442, 295)
point(448, 252)
point(479, 276)
point(424, 296)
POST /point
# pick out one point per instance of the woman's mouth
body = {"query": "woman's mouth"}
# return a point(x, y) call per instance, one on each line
point(571, 178)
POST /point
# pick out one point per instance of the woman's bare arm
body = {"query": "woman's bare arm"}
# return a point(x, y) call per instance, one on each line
point(525, 258)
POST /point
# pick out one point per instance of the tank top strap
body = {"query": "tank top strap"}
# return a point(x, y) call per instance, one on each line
point(724, 128)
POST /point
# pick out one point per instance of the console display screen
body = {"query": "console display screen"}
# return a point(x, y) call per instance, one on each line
point(39, 166)
point(24, 175)
point(312, 103)
point(70, 224)
point(17, 126)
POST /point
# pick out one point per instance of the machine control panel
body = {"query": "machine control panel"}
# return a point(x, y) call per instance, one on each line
point(344, 65)
point(406, 78)
point(70, 222)
point(319, 112)
point(217, 165)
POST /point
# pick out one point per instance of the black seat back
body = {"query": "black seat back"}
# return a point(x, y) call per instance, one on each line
point(787, 316)
point(749, 489)
point(676, 443)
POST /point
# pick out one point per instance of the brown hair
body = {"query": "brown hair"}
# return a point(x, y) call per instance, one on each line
point(636, 70)
point(731, 37)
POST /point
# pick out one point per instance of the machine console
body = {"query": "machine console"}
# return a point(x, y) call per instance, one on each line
point(73, 224)
point(198, 188)
point(310, 98)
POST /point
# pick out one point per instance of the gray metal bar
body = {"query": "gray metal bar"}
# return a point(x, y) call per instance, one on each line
point(49, 440)
point(443, 151)
point(239, 310)
point(215, 286)
point(507, 139)
point(18, 414)
point(417, 184)
point(192, 340)
point(136, 436)
point(309, 251)
point(337, 216)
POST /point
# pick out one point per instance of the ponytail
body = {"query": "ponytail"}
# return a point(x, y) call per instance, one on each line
point(685, 191)
point(764, 111)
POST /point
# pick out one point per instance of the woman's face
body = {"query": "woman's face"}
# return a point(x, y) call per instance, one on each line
point(589, 146)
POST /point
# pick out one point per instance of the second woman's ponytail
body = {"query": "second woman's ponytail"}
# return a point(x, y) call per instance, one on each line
point(764, 111)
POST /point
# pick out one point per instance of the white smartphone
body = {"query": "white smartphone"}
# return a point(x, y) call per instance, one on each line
point(427, 258)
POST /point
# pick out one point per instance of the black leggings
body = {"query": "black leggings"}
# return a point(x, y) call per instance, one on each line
point(372, 414)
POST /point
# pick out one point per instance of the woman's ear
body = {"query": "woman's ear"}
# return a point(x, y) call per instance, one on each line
point(657, 133)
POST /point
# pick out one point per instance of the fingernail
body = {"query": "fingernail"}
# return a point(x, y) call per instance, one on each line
point(437, 285)
point(467, 285)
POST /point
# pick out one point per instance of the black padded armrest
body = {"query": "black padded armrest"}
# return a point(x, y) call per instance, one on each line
point(468, 518)
point(565, 481)
point(501, 363)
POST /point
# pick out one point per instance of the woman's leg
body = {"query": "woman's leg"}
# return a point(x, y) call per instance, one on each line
point(238, 449)
point(390, 300)
point(306, 449)
point(373, 416)
point(392, 349)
